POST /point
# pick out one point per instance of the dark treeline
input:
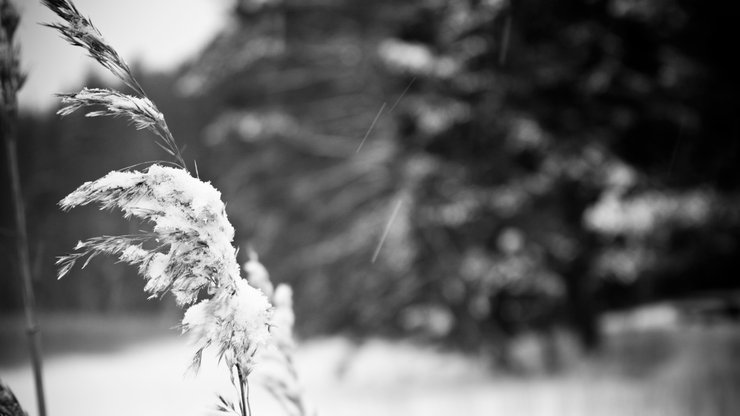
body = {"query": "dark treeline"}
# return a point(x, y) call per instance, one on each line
point(538, 162)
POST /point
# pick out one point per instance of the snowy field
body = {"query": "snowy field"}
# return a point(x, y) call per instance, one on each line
point(126, 366)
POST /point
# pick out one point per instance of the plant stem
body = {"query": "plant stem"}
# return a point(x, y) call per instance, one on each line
point(244, 403)
point(8, 131)
point(11, 80)
point(249, 407)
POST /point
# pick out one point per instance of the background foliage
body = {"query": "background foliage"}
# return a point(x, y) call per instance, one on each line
point(541, 162)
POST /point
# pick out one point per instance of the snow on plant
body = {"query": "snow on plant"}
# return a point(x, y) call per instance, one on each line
point(191, 236)
point(235, 322)
point(277, 371)
point(189, 249)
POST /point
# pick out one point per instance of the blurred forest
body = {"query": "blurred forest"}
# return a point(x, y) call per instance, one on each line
point(527, 164)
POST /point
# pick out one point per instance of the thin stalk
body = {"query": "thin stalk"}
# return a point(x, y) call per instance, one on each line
point(244, 403)
point(249, 407)
point(8, 126)
point(10, 81)
point(170, 140)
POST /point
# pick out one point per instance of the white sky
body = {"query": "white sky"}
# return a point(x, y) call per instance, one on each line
point(159, 34)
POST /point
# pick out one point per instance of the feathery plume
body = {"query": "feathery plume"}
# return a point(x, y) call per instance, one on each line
point(277, 371)
point(79, 31)
point(234, 322)
point(141, 111)
point(189, 247)
point(188, 251)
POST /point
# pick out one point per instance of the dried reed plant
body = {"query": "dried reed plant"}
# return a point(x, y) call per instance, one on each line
point(11, 80)
point(79, 31)
point(189, 249)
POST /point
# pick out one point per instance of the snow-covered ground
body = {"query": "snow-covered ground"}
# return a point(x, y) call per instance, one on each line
point(692, 372)
point(152, 378)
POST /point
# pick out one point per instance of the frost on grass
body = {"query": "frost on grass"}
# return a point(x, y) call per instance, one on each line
point(187, 252)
